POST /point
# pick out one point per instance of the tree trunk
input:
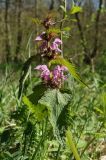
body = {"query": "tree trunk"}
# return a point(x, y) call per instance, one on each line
point(51, 5)
point(7, 45)
point(89, 55)
point(19, 31)
point(94, 52)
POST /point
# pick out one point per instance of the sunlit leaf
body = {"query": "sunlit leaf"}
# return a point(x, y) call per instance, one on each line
point(75, 9)
point(36, 20)
point(72, 145)
point(70, 66)
point(39, 110)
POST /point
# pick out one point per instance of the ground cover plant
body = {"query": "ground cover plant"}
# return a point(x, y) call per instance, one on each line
point(52, 113)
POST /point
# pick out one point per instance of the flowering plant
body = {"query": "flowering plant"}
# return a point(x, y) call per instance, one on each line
point(49, 100)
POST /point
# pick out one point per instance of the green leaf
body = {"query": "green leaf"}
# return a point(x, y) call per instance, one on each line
point(28, 103)
point(55, 101)
point(36, 20)
point(75, 9)
point(72, 145)
point(103, 100)
point(70, 66)
point(66, 28)
point(38, 92)
point(40, 111)
point(81, 144)
point(98, 110)
point(54, 30)
point(102, 108)
point(63, 8)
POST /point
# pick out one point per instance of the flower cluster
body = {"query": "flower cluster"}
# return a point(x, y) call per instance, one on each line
point(48, 42)
point(54, 78)
point(48, 48)
point(47, 22)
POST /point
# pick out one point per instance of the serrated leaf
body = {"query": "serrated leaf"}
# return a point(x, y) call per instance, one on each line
point(70, 66)
point(75, 9)
point(55, 101)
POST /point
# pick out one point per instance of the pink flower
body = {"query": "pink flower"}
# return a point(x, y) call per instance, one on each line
point(58, 75)
point(40, 37)
point(54, 47)
point(58, 41)
point(42, 68)
point(45, 73)
point(54, 78)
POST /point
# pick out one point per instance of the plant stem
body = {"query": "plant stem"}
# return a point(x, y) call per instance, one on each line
point(61, 26)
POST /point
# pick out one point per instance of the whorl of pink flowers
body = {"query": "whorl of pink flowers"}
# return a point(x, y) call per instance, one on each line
point(55, 78)
point(52, 47)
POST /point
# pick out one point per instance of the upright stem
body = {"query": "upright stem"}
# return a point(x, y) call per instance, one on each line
point(61, 25)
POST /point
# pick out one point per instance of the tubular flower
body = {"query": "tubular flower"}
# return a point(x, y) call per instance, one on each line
point(48, 47)
point(54, 78)
point(58, 41)
point(54, 47)
point(45, 73)
point(58, 75)
point(40, 37)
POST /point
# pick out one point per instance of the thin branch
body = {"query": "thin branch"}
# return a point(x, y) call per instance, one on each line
point(94, 52)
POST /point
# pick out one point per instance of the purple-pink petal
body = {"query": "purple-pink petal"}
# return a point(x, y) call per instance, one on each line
point(54, 47)
point(40, 37)
point(58, 75)
point(42, 68)
point(57, 41)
